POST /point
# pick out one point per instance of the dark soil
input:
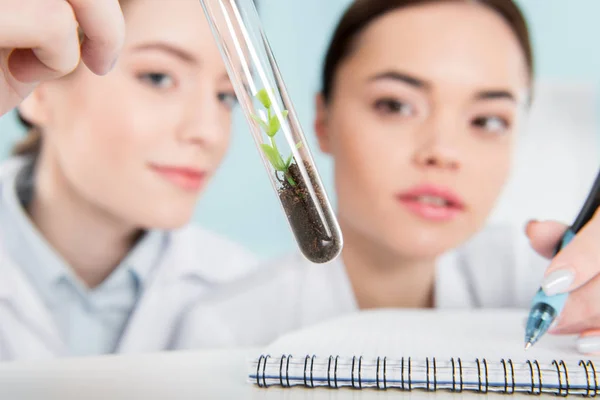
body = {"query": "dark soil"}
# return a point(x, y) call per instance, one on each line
point(304, 218)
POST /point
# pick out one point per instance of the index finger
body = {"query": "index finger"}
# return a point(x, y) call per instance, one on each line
point(103, 25)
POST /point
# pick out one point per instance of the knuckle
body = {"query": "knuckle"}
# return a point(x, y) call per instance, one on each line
point(60, 32)
point(584, 307)
point(583, 257)
point(60, 21)
point(108, 27)
point(593, 324)
point(588, 247)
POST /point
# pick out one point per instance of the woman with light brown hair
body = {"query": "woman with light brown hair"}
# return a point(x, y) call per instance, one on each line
point(97, 252)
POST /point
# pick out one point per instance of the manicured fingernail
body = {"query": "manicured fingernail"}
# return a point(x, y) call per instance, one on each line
point(112, 66)
point(588, 344)
point(558, 282)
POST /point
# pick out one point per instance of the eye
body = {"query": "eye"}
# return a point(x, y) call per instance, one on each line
point(393, 106)
point(229, 99)
point(491, 124)
point(158, 80)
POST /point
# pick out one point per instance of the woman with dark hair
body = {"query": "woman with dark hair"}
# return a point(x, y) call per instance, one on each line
point(97, 252)
point(419, 109)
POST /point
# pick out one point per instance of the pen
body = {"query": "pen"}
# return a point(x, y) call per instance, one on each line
point(545, 309)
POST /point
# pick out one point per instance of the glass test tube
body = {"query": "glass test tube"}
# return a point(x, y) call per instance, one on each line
point(268, 109)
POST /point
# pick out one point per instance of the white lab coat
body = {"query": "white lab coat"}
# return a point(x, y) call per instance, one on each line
point(195, 262)
point(495, 269)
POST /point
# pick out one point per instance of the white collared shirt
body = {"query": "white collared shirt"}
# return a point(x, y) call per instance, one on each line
point(496, 268)
point(45, 310)
point(91, 321)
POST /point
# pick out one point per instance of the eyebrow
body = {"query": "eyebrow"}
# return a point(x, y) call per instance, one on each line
point(402, 77)
point(423, 84)
point(496, 94)
point(168, 48)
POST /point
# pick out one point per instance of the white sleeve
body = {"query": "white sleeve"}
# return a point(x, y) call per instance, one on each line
point(529, 270)
point(4, 351)
point(252, 311)
point(503, 269)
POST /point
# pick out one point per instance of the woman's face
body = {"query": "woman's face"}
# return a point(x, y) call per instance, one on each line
point(142, 141)
point(421, 125)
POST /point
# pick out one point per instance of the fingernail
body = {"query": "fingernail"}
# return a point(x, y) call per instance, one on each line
point(112, 66)
point(588, 344)
point(558, 282)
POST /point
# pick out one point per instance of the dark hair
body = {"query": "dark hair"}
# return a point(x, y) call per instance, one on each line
point(363, 12)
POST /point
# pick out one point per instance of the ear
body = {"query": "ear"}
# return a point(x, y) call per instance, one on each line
point(33, 108)
point(320, 126)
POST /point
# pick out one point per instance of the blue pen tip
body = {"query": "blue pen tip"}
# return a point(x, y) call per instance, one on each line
point(531, 339)
point(539, 321)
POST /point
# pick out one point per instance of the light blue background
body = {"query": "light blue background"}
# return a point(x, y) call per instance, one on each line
point(565, 35)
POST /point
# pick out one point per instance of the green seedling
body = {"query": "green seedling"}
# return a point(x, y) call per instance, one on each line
point(271, 126)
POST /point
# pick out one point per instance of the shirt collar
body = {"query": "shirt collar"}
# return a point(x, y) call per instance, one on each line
point(145, 254)
point(26, 244)
point(41, 263)
point(453, 288)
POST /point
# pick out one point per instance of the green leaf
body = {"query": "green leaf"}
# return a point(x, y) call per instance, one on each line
point(263, 97)
point(262, 123)
point(298, 145)
point(284, 114)
point(288, 162)
point(274, 126)
point(273, 157)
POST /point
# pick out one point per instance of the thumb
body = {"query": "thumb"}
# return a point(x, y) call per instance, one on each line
point(545, 236)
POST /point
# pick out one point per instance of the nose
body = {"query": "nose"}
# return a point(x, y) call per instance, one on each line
point(201, 121)
point(437, 145)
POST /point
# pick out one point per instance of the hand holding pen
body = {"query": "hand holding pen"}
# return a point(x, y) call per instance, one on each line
point(569, 300)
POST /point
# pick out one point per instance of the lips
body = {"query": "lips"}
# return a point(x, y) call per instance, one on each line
point(189, 179)
point(432, 202)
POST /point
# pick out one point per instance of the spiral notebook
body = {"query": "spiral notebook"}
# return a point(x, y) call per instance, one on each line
point(475, 351)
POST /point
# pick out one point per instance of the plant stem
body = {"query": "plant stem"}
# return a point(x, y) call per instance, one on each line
point(290, 179)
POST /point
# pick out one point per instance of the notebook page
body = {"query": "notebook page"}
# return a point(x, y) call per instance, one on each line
point(489, 336)
point(493, 334)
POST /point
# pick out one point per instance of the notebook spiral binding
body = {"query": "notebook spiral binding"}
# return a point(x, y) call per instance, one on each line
point(535, 383)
